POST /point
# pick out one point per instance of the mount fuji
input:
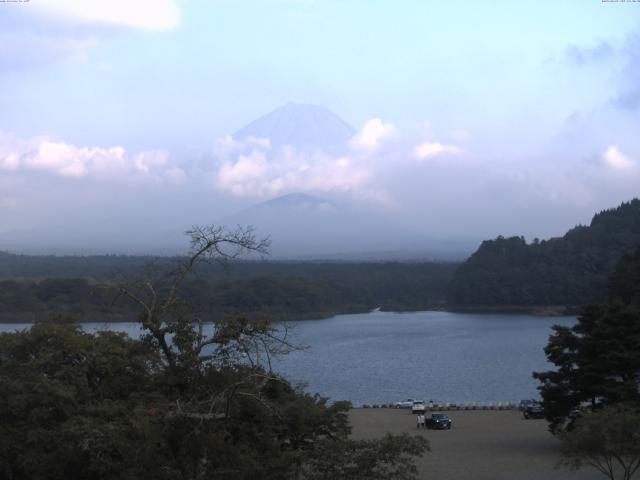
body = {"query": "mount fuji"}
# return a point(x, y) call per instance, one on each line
point(301, 225)
point(304, 127)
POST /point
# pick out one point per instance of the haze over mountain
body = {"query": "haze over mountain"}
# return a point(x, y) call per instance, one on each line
point(301, 126)
point(301, 225)
point(300, 174)
point(521, 137)
point(304, 226)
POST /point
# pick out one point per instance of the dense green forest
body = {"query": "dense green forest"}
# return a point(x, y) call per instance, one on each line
point(571, 270)
point(37, 286)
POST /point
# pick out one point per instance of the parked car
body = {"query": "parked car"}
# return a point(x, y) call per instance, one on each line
point(533, 410)
point(438, 421)
point(408, 403)
point(526, 403)
point(418, 407)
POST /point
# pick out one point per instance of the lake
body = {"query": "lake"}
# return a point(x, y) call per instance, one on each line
point(381, 357)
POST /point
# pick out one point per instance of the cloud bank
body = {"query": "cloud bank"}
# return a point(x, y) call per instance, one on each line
point(38, 34)
point(616, 160)
point(253, 168)
point(432, 149)
point(140, 14)
point(416, 176)
point(372, 135)
point(43, 155)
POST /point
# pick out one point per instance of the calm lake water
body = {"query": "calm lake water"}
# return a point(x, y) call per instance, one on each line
point(382, 357)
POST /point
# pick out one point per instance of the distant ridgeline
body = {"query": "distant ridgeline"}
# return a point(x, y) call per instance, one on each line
point(569, 271)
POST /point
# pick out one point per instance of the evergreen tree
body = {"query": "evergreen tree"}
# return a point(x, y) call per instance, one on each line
point(598, 359)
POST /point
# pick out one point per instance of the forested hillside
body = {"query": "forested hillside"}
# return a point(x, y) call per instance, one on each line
point(34, 287)
point(571, 270)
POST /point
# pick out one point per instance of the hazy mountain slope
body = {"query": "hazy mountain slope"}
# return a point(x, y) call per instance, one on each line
point(295, 201)
point(571, 270)
point(108, 235)
point(304, 127)
point(302, 226)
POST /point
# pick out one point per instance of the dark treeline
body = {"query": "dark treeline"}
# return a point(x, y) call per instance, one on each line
point(100, 267)
point(285, 290)
point(571, 270)
point(568, 271)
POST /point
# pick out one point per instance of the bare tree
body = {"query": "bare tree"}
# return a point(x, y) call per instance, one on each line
point(178, 331)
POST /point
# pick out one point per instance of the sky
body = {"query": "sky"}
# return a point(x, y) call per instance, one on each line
point(472, 118)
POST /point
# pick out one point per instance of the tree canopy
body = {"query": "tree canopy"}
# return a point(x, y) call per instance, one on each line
point(571, 270)
point(182, 402)
point(282, 290)
point(597, 359)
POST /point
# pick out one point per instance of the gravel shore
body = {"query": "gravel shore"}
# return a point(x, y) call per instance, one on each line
point(482, 445)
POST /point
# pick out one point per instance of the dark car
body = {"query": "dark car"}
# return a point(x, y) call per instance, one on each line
point(526, 403)
point(533, 410)
point(438, 421)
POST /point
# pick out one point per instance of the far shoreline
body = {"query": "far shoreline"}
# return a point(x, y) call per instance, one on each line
point(101, 317)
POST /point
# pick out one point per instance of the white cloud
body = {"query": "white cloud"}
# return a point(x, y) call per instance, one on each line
point(48, 31)
point(11, 162)
point(616, 160)
point(252, 168)
point(60, 158)
point(372, 135)
point(246, 176)
point(262, 173)
point(67, 160)
point(149, 160)
point(430, 149)
point(142, 14)
point(259, 142)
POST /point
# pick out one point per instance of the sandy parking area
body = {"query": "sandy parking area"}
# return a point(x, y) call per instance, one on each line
point(491, 445)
